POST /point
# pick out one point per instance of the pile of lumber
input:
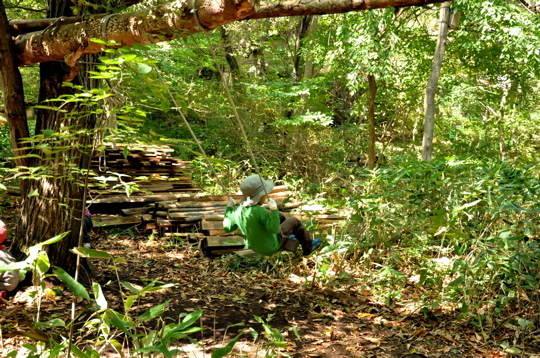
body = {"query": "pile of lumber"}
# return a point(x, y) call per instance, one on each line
point(199, 218)
point(148, 168)
point(170, 214)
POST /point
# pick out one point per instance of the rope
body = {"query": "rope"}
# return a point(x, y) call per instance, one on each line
point(191, 131)
point(233, 106)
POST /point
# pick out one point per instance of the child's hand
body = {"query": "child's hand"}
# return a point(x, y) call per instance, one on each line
point(230, 202)
point(272, 205)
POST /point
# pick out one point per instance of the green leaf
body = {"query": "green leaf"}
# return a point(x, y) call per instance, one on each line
point(78, 352)
point(42, 263)
point(47, 133)
point(153, 312)
point(101, 301)
point(458, 281)
point(52, 240)
point(98, 41)
point(85, 252)
point(224, 351)
point(130, 287)
point(119, 323)
point(129, 301)
point(144, 69)
point(56, 322)
point(190, 319)
point(70, 282)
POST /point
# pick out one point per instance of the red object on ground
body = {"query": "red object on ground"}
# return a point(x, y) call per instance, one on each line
point(3, 231)
point(3, 296)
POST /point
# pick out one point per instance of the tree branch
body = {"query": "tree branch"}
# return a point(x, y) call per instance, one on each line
point(168, 22)
point(535, 9)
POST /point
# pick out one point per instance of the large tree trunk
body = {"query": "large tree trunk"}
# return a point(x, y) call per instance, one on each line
point(12, 90)
point(429, 102)
point(57, 203)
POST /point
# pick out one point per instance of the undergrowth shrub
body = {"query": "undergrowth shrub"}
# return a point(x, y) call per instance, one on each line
point(463, 228)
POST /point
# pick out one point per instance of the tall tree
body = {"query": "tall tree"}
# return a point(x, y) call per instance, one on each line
point(12, 89)
point(429, 103)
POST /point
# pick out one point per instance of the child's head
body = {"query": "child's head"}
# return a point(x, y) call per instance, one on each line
point(253, 192)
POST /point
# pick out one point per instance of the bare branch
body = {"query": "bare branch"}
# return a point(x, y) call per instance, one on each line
point(535, 9)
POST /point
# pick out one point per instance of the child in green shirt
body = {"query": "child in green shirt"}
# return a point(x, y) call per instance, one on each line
point(264, 231)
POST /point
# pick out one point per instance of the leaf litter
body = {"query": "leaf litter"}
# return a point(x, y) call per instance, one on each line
point(331, 321)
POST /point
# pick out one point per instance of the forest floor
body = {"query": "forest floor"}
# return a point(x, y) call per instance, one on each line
point(341, 319)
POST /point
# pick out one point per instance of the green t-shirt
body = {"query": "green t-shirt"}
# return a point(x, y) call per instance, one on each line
point(259, 227)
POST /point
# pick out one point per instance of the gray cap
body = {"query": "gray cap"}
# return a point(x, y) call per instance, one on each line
point(252, 190)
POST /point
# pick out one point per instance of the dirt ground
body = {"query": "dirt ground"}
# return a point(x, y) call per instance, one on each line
point(338, 319)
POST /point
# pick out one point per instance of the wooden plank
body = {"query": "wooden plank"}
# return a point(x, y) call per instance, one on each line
point(212, 225)
point(223, 241)
point(213, 217)
point(117, 199)
point(216, 232)
point(163, 223)
point(245, 253)
point(114, 221)
point(135, 211)
point(196, 204)
point(176, 215)
point(151, 226)
point(198, 210)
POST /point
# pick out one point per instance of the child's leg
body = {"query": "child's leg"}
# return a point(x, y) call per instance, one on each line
point(294, 226)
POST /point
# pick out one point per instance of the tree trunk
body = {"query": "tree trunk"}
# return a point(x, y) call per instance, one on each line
point(56, 203)
point(234, 68)
point(308, 59)
point(429, 101)
point(301, 33)
point(12, 90)
point(371, 118)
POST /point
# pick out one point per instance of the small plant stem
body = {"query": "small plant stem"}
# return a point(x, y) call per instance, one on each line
point(314, 274)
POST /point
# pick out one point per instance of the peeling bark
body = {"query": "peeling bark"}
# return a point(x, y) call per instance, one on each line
point(322, 7)
point(168, 22)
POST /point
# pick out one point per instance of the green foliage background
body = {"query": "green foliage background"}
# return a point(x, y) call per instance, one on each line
point(464, 225)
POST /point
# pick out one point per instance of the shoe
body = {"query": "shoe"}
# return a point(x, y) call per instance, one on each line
point(87, 245)
point(316, 245)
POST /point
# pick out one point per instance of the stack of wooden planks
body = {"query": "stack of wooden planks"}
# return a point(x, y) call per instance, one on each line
point(149, 168)
point(164, 199)
point(199, 218)
point(167, 214)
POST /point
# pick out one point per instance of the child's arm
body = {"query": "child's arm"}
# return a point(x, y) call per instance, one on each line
point(229, 225)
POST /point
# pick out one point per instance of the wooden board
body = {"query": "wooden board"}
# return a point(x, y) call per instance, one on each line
point(216, 232)
point(212, 225)
point(115, 220)
point(135, 198)
point(220, 245)
point(223, 241)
